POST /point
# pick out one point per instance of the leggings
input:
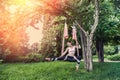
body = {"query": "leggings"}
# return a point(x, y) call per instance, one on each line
point(69, 58)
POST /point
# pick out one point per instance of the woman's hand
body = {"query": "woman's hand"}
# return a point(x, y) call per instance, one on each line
point(64, 52)
point(60, 56)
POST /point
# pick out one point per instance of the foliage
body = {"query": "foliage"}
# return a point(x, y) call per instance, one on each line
point(15, 17)
point(115, 57)
point(58, 71)
point(28, 57)
point(13, 37)
point(32, 57)
point(110, 50)
point(35, 56)
point(108, 27)
point(51, 42)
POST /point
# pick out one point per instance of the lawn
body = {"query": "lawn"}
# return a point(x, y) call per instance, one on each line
point(58, 71)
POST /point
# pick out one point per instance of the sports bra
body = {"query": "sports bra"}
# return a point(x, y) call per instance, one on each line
point(71, 50)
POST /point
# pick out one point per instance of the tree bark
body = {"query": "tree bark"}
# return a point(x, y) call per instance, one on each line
point(89, 52)
point(100, 49)
point(83, 44)
point(86, 42)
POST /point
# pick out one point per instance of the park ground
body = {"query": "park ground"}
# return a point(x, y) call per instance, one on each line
point(59, 71)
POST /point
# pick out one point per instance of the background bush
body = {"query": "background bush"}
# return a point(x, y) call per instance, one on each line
point(110, 50)
point(31, 57)
point(115, 57)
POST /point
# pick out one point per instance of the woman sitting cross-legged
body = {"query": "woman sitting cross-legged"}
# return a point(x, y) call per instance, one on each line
point(71, 50)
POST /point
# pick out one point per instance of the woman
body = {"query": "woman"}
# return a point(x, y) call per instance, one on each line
point(71, 50)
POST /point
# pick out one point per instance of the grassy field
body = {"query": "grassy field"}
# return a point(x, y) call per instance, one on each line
point(58, 71)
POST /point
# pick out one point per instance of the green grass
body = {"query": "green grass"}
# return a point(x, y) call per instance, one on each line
point(58, 71)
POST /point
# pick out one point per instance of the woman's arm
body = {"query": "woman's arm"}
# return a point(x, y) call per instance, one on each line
point(77, 47)
point(64, 52)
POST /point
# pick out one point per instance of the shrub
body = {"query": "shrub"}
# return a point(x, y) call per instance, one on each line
point(1, 60)
point(109, 50)
point(11, 58)
point(115, 57)
point(32, 57)
point(35, 56)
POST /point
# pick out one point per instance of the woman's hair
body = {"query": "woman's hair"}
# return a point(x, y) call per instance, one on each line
point(72, 42)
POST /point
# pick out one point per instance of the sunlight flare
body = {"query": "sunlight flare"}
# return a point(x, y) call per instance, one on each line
point(35, 35)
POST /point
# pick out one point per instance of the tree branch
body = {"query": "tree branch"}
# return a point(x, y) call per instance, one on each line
point(95, 18)
point(59, 10)
point(81, 28)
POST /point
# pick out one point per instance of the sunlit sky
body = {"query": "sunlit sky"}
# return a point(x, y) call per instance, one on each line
point(35, 35)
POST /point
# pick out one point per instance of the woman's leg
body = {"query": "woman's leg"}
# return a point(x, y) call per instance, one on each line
point(78, 62)
point(61, 58)
point(47, 59)
point(65, 57)
point(50, 59)
point(54, 59)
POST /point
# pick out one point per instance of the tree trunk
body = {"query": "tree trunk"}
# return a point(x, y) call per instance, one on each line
point(100, 49)
point(89, 53)
point(86, 42)
point(83, 44)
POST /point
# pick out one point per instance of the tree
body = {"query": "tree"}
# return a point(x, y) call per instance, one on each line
point(108, 27)
point(51, 41)
point(87, 40)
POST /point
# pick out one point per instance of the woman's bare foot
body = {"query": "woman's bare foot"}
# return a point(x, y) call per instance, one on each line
point(77, 67)
point(47, 59)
